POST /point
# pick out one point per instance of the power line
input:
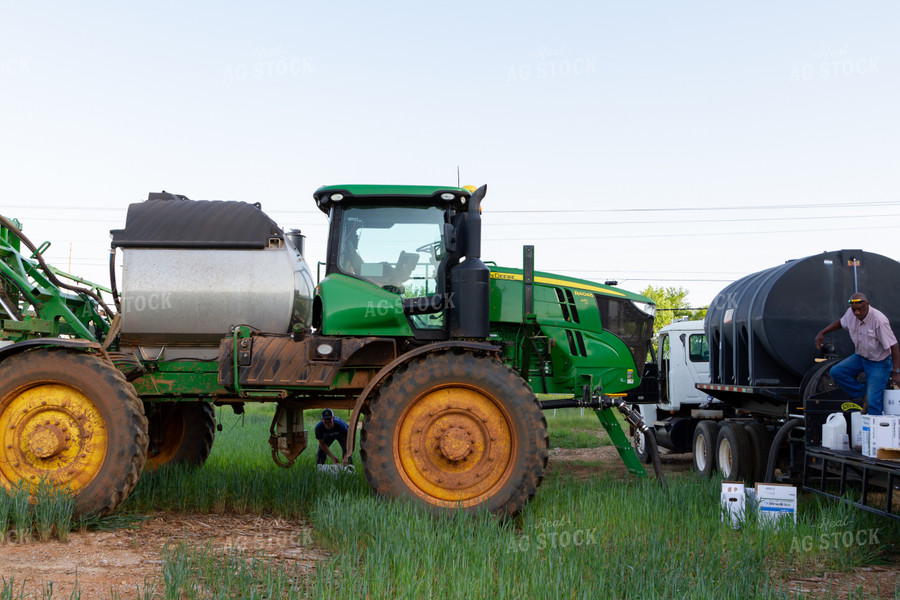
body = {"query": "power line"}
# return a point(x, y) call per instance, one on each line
point(738, 273)
point(701, 208)
point(673, 221)
point(562, 210)
point(705, 234)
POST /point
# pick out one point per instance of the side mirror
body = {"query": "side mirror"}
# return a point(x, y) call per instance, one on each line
point(449, 237)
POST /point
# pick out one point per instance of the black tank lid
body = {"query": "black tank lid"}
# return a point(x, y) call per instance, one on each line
point(167, 220)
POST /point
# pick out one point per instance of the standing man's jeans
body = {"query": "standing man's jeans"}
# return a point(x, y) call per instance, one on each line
point(877, 374)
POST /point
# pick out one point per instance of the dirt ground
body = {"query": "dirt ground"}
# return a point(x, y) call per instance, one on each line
point(585, 463)
point(121, 560)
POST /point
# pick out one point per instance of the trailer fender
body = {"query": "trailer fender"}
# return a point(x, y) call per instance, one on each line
point(363, 400)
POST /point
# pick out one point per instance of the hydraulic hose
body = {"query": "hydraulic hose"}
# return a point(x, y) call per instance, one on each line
point(47, 272)
point(775, 450)
point(112, 279)
point(653, 448)
point(635, 419)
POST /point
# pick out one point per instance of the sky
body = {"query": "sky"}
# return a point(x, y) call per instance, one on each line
point(652, 143)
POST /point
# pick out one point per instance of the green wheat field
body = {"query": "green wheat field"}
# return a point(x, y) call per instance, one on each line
point(609, 536)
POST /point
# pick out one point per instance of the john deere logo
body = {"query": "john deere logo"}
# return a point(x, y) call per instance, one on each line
point(850, 406)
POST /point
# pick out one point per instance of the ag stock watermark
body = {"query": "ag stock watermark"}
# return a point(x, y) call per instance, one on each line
point(10, 65)
point(270, 543)
point(836, 540)
point(551, 63)
point(416, 305)
point(147, 302)
point(269, 63)
point(725, 301)
point(553, 534)
point(835, 62)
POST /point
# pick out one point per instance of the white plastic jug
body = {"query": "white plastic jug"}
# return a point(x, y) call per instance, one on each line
point(892, 402)
point(856, 430)
point(833, 430)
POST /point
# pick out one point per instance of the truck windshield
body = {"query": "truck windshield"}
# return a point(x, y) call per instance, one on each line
point(396, 248)
point(631, 322)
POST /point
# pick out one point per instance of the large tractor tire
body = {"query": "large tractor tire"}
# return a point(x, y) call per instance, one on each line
point(71, 420)
point(180, 433)
point(456, 431)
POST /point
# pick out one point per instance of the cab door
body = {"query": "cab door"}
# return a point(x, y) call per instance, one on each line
point(688, 365)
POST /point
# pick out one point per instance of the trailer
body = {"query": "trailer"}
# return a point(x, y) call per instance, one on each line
point(761, 390)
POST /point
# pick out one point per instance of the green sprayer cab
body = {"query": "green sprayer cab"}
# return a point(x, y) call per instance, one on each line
point(437, 355)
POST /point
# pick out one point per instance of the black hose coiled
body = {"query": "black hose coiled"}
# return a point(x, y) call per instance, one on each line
point(776, 447)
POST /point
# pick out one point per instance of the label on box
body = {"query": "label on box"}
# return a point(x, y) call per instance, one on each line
point(733, 503)
point(867, 436)
point(775, 502)
point(881, 431)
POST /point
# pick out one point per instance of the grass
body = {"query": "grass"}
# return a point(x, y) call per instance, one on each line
point(43, 509)
point(575, 428)
point(612, 536)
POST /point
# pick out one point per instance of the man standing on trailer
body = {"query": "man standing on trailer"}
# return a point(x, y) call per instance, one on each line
point(329, 430)
point(877, 354)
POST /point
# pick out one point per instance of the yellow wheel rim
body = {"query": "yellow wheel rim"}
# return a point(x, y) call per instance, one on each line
point(454, 445)
point(53, 433)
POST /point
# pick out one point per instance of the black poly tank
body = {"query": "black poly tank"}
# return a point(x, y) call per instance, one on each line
point(762, 328)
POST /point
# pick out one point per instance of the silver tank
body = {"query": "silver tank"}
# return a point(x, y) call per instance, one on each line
point(194, 269)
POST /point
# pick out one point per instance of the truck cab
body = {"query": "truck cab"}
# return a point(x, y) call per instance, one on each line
point(670, 402)
point(683, 361)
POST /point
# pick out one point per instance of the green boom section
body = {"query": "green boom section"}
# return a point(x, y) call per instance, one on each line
point(33, 305)
point(578, 334)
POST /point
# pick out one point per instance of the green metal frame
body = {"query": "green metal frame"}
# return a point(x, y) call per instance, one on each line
point(619, 439)
point(46, 310)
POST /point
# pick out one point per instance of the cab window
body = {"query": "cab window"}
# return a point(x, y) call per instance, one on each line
point(396, 248)
point(698, 348)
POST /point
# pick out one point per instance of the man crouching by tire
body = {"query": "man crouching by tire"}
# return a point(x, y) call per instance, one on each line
point(329, 430)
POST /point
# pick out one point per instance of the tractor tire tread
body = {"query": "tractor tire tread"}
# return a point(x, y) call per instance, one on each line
point(122, 411)
point(407, 381)
point(199, 433)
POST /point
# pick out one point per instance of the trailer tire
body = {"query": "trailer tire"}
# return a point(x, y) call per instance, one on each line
point(760, 442)
point(180, 433)
point(641, 448)
point(704, 447)
point(733, 452)
point(72, 420)
point(454, 430)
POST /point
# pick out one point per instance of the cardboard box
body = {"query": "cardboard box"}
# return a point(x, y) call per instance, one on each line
point(891, 454)
point(775, 502)
point(880, 432)
point(733, 503)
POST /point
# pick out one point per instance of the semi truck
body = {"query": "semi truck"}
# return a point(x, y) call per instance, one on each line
point(746, 391)
point(437, 355)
